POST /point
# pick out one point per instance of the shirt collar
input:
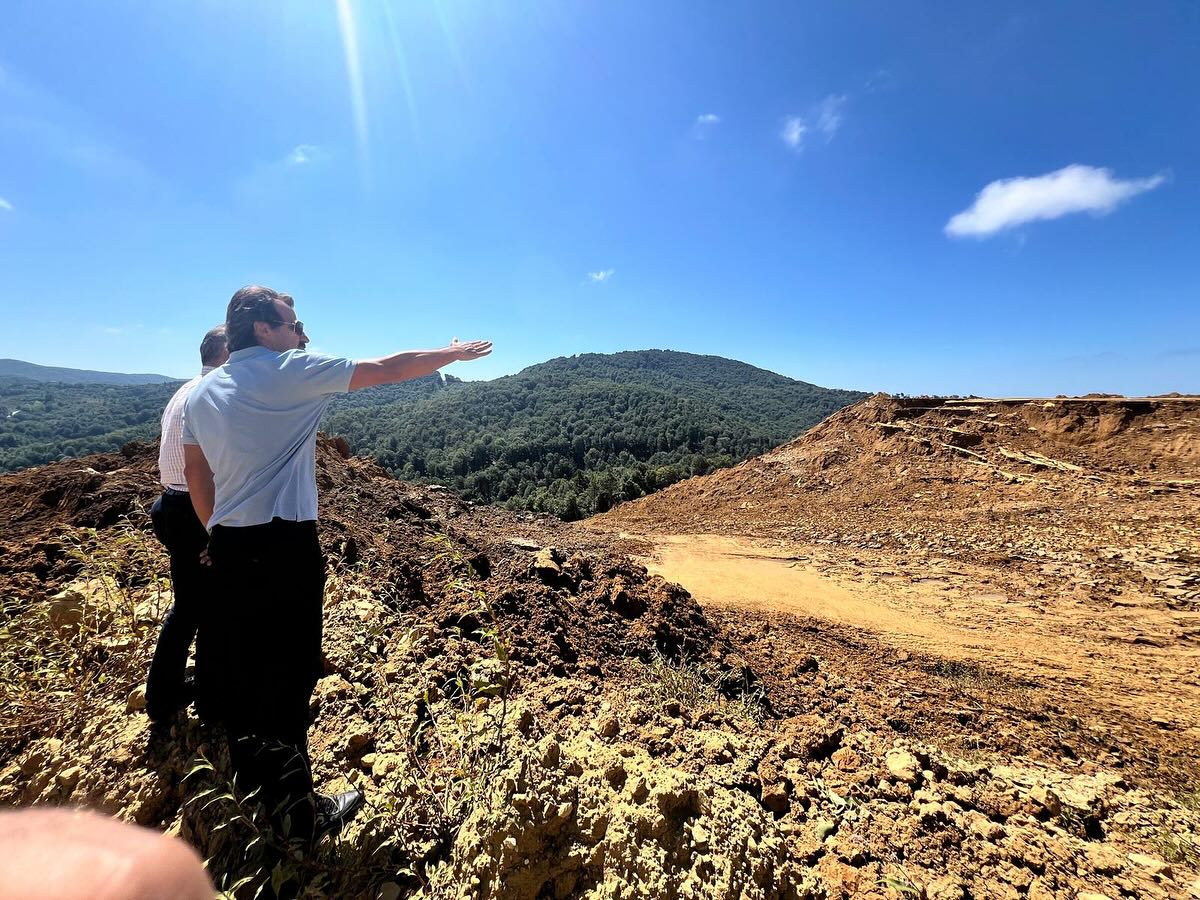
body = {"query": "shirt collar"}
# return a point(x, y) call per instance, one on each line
point(204, 370)
point(247, 352)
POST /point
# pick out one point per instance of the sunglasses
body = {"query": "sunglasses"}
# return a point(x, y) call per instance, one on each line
point(297, 326)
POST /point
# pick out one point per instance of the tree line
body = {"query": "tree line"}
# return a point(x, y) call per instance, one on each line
point(571, 437)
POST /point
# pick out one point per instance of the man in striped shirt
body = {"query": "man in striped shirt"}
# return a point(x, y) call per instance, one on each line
point(176, 525)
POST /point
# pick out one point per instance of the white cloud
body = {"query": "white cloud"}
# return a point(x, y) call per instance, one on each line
point(793, 132)
point(704, 125)
point(881, 81)
point(602, 276)
point(5, 205)
point(1009, 202)
point(829, 115)
point(303, 154)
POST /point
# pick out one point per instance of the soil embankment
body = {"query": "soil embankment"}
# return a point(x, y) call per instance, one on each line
point(532, 714)
point(1052, 540)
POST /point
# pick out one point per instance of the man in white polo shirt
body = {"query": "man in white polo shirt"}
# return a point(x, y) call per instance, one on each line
point(176, 525)
point(250, 447)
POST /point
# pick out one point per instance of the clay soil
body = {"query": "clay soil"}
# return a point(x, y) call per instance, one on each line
point(889, 738)
point(1046, 553)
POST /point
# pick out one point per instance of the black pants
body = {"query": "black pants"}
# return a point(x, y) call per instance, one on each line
point(267, 629)
point(176, 525)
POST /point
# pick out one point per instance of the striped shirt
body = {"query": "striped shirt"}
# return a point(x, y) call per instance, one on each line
point(170, 445)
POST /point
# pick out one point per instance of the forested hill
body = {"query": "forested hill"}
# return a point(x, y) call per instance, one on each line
point(21, 369)
point(44, 421)
point(571, 436)
point(575, 435)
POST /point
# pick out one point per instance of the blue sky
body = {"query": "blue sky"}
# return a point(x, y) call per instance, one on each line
point(993, 198)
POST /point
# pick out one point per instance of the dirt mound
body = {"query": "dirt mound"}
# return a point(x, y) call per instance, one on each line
point(1110, 484)
point(533, 715)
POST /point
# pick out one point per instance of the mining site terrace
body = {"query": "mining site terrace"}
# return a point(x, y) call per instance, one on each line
point(932, 648)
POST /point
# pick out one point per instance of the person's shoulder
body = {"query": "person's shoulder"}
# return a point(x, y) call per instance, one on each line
point(185, 389)
point(308, 360)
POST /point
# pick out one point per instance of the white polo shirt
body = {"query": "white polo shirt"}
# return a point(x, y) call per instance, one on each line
point(256, 420)
point(170, 443)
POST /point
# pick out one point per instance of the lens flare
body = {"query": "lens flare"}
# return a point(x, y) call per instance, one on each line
point(402, 63)
point(358, 99)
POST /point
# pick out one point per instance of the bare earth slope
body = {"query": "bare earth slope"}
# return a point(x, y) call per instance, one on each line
point(1050, 543)
point(621, 741)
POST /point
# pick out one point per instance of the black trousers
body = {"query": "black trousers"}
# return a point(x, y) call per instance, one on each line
point(177, 527)
point(267, 631)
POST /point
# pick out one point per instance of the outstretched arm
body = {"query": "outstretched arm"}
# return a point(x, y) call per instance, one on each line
point(413, 363)
point(200, 484)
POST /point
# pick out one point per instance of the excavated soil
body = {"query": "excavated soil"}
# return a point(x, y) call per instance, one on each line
point(802, 757)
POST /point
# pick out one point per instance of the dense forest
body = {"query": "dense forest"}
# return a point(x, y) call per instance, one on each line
point(571, 436)
point(575, 435)
point(41, 421)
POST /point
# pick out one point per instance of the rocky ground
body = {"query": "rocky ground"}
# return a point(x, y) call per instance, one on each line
point(534, 715)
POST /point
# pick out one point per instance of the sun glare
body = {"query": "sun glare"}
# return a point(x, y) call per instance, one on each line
point(358, 100)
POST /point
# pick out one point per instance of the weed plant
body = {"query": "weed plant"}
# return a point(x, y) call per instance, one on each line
point(54, 678)
point(457, 745)
point(696, 687)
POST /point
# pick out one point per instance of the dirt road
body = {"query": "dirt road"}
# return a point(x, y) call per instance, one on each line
point(1133, 655)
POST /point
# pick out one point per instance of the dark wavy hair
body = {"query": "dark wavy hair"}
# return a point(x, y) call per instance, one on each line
point(253, 303)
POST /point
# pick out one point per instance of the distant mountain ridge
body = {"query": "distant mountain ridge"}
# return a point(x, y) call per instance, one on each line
point(18, 368)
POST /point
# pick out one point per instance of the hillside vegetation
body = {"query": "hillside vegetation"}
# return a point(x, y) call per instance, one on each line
point(572, 436)
point(576, 435)
point(44, 421)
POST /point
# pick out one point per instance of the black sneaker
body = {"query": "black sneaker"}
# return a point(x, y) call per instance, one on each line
point(334, 811)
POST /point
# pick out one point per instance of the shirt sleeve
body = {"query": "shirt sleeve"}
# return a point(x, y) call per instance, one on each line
point(316, 374)
point(186, 436)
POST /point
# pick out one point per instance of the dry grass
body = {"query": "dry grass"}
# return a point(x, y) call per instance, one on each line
point(696, 687)
point(460, 737)
point(56, 672)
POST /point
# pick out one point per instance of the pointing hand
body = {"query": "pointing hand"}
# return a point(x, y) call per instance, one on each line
point(471, 349)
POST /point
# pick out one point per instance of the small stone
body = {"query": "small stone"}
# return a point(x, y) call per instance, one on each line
point(824, 828)
point(551, 753)
point(775, 798)
point(68, 778)
point(903, 766)
point(385, 763)
point(1103, 860)
point(608, 727)
point(1044, 799)
point(929, 812)
point(137, 700)
point(985, 828)
point(945, 888)
point(356, 736)
point(1156, 866)
point(333, 686)
point(389, 890)
point(846, 759)
point(545, 563)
